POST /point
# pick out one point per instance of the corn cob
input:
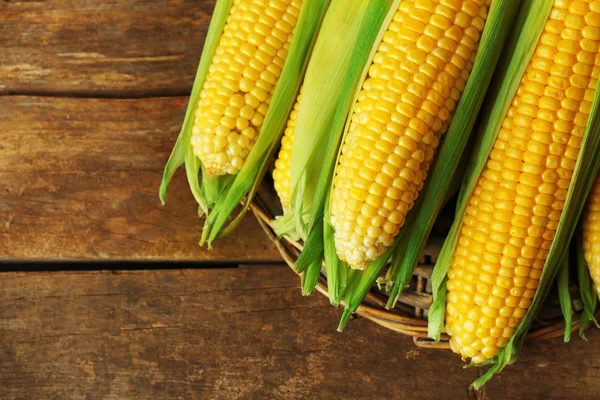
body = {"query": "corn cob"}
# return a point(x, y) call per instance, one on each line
point(241, 80)
point(281, 173)
point(591, 234)
point(513, 214)
point(416, 78)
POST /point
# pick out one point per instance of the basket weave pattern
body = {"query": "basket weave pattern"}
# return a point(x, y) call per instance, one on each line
point(409, 317)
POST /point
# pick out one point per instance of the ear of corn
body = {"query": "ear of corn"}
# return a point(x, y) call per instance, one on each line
point(378, 15)
point(341, 52)
point(530, 27)
point(247, 180)
point(343, 47)
point(499, 20)
point(238, 89)
point(183, 152)
point(415, 80)
point(514, 210)
point(525, 189)
point(248, 77)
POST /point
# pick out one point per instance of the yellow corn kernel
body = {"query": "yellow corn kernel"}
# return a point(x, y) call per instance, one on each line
point(281, 173)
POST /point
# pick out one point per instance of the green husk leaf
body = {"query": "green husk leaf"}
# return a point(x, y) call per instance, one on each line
point(313, 250)
point(333, 265)
point(583, 178)
point(512, 51)
point(344, 272)
point(246, 182)
point(310, 277)
point(284, 225)
point(213, 189)
point(356, 292)
point(437, 310)
point(353, 280)
point(586, 287)
point(565, 297)
point(514, 62)
point(346, 38)
point(438, 185)
point(192, 169)
point(436, 314)
point(182, 152)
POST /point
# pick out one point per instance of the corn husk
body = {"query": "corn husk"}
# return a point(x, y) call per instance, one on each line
point(248, 179)
point(526, 33)
point(408, 245)
point(218, 197)
point(337, 271)
point(564, 296)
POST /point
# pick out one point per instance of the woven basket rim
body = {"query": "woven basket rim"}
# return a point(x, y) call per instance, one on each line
point(373, 307)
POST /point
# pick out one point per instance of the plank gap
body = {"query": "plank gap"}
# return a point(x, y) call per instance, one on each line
point(100, 94)
point(60, 266)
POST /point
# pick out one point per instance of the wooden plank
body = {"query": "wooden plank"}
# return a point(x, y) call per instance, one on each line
point(236, 333)
point(79, 181)
point(242, 333)
point(551, 370)
point(108, 47)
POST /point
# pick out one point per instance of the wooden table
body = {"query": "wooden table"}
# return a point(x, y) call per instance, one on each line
point(92, 95)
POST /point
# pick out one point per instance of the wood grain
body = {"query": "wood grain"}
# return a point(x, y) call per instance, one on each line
point(80, 180)
point(551, 370)
point(242, 333)
point(101, 47)
point(239, 333)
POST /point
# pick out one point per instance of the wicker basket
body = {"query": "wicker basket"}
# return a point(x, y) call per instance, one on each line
point(409, 317)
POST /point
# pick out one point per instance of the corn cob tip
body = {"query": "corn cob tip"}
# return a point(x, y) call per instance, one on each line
point(357, 257)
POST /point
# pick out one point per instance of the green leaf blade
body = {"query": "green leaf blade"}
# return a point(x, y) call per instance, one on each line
point(565, 297)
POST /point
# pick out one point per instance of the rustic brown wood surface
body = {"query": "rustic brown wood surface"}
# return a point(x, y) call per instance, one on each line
point(243, 333)
point(80, 181)
point(101, 47)
point(92, 94)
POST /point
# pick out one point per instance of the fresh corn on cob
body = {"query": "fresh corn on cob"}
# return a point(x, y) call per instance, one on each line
point(241, 80)
point(281, 173)
point(591, 234)
point(406, 102)
point(513, 214)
